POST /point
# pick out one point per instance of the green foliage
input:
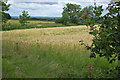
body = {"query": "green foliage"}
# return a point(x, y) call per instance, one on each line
point(8, 16)
point(24, 17)
point(43, 19)
point(87, 15)
point(71, 12)
point(65, 18)
point(5, 7)
point(4, 19)
point(59, 20)
point(106, 41)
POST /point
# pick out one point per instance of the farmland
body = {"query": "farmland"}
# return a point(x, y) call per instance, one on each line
point(51, 53)
point(14, 24)
point(60, 39)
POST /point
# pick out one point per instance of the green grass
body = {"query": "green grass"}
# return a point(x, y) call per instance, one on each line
point(33, 54)
point(24, 60)
point(7, 27)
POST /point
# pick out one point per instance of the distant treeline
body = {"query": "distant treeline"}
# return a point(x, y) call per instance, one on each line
point(44, 19)
point(39, 18)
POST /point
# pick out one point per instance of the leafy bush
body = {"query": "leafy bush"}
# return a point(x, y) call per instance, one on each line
point(59, 20)
point(106, 41)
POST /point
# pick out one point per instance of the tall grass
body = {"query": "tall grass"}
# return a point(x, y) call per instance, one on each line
point(51, 53)
point(25, 60)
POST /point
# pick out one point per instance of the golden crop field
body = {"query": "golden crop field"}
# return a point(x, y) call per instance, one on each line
point(46, 35)
point(30, 22)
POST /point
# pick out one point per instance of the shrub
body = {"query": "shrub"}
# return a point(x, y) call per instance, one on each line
point(24, 17)
point(59, 20)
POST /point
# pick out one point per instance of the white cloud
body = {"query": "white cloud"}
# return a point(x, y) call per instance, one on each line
point(51, 8)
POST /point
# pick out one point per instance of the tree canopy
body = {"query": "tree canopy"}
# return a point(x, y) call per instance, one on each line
point(5, 7)
point(72, 11)
point(87, 13)
point(106, 41)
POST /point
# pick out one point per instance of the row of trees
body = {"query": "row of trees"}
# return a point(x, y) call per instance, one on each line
point(5, 16)
point(73, 13)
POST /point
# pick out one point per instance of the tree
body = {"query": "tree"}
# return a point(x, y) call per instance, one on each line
point(8, 16)
point(71, 11)
point(65, 18)
point(5, 7)
point(24, 17)
point(87, 14)
point(106, 41)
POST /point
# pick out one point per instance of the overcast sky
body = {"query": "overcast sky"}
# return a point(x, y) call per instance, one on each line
point(47, 8)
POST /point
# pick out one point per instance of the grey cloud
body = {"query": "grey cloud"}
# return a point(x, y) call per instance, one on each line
point(29, 8)
point(49, 3)
point(47, 7)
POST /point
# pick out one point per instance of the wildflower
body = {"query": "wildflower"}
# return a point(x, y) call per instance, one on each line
point(89, 70)
point(90, 67)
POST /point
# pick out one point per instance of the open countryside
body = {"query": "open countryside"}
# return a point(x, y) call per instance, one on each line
point(66, 47)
